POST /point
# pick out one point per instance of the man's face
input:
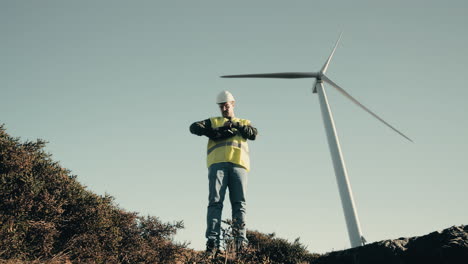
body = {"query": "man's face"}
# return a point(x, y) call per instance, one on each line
point(227, 109)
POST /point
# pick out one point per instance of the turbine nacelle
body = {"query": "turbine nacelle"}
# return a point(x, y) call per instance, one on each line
point(317, 80)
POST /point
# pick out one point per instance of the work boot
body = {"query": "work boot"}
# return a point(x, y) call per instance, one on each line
point(212, 249)
point(241, 247)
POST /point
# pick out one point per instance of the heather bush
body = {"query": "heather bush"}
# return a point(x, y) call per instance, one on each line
point(45, 212)
point(279, 250)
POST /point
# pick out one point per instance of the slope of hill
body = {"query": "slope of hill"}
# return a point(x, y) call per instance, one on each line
point(45, 212)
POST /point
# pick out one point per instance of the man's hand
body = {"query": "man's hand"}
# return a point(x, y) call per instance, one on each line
point(231, 124)
point(220, 133)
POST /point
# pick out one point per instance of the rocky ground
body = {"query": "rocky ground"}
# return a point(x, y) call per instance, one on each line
point(448, 246)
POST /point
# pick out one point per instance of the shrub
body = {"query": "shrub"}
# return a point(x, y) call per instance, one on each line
point(279, 250)
point(46, 212)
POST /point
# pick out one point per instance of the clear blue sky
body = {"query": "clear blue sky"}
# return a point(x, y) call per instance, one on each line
point(114, 85)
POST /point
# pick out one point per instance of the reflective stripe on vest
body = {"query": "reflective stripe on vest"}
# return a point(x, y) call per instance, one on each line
point(231, 143)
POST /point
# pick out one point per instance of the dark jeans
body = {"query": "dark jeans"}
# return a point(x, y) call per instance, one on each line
point(222, 176)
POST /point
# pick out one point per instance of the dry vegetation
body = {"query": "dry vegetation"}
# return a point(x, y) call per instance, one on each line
point(47, 216)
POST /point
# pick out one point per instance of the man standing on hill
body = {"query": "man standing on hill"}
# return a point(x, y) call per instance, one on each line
point(228, 163)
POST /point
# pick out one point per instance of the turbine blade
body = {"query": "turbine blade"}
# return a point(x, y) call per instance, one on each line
point(281, 75)
point(342, 91)
point(325, 66)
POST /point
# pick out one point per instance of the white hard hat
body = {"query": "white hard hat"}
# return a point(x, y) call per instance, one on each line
point(224, 97)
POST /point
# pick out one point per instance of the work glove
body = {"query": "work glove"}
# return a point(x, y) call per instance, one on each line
point(231, 124)
point(220, 133)
point(227, 133)
point(236, 125)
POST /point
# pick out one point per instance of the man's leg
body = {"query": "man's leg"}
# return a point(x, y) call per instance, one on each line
point(237, 195)
point(218, 181)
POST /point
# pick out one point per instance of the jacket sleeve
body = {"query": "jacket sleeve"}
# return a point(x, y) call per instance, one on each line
point(201, 128)
point(248, 132)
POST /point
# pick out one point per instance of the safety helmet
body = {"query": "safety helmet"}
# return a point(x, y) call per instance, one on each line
point(224, 97)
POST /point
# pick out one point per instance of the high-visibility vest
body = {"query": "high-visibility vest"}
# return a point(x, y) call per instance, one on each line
point(234, 149)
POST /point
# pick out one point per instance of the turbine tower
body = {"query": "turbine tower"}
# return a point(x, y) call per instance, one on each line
point(344, 187)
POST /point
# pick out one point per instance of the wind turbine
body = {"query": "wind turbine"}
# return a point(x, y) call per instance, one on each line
point(344, 187)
